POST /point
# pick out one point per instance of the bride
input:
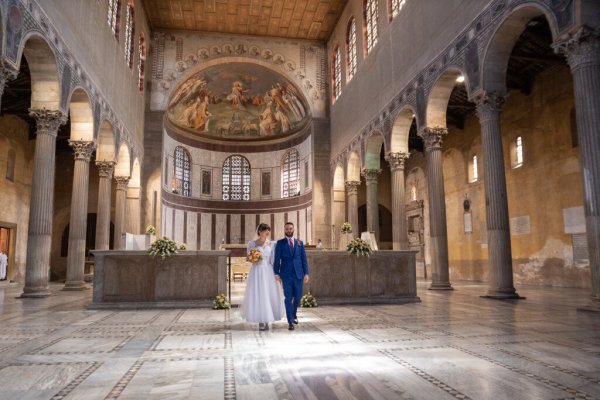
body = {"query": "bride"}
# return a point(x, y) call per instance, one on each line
point(263, 302)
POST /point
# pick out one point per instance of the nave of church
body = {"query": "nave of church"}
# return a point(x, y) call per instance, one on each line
point(453, 345)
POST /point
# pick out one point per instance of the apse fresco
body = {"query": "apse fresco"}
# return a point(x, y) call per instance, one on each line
point(238, 101)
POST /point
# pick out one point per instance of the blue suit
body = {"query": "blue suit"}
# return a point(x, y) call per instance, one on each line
point(291, 266)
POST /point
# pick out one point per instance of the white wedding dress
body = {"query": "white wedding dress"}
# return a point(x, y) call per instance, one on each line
point(263, 300)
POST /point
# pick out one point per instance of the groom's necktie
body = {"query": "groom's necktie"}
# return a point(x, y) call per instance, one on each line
point(291, 243)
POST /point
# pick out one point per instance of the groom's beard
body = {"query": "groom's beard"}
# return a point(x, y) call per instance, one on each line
point(290, 235)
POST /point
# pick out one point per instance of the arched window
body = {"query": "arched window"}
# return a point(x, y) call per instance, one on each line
point(236, 178)
point(141, 62)
point(129, 33)
point(371, 32)
point(351, 49)
point(395, 7)
point(114, 16)
point(290, 174)
point(516, 155)
point(337, 72)
point(182, 171)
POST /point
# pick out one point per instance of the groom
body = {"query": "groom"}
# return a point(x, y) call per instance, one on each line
point(291, 268)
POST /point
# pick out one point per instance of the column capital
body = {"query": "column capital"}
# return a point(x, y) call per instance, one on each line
point(352, 187)
point(371, 175)
point(48, 121)
point(106, 168)
point(488, 105)
point(122, 182)
point(433, 137)
point(581, 47)
point(397, 160)
point(83, 149)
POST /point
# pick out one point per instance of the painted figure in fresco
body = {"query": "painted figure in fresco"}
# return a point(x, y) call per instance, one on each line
point(283, 119)
point(187, 91)
point(276, 95)
point(268, 122)
point(236, 97)
point(196, 115)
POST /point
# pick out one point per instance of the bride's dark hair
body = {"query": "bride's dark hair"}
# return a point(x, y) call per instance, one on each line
point(262, 227)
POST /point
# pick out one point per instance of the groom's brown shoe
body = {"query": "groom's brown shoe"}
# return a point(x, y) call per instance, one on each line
point(291, 327)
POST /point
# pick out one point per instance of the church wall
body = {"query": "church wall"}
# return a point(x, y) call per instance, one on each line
point(542, 190)
point(405, 46)
point(81, 23)
point(15, 194)
point(152, 171)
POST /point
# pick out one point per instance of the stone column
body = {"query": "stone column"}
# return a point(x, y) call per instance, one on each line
point(122, 182)
point(352, 204)
point(433, 137)
point(39, 236)
point(133, 210)
point(500, 285)
point(371, 176)
point(399, 228)
point(7, 73)
point(582, 49)
point(106, 169)
point(78, 223)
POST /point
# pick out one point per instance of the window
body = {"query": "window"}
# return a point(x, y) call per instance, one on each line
point(395, 7)
point(206, 182)
point(371, 33)
point(413, 192)
point(351, 49)
point(290, 174)
point(236, 178)
point(114, 16)
point(141, 62)
point(306, 176)
point(182, 172)
point(337, 73)
point(129, 31)
point(10, 165)
point(516, 153)
point(473, 170)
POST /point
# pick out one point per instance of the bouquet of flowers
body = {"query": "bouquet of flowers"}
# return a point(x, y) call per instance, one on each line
point(346, 227)
point(182, 246)
point(254, 255)
point(308, 301)
point(221, 302)
point(163, 247)
point(359, 247)
point(150, 230)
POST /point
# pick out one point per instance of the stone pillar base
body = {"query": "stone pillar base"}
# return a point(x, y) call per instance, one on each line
point(440, 286)
point(75, 286)
point(35, 293)
point(503, 295)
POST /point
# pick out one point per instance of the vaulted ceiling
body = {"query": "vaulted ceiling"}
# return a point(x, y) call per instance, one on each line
point(299, 19)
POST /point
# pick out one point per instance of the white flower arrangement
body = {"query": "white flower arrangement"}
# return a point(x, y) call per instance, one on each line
point(163, 247)
point(359, 247)
point(346, 227)
point(221, 302)
point(150, 230)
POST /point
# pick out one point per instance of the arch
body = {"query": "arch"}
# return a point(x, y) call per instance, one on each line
point(401, 130)
point(353, 167)
point(82, 116)
point(499, 48)
point(290, 174)
point(135, 181)
point(123, 167)
point(105, 150)
point(338, 178)
point(373, 150)
point(45, 82)
point(437, 102)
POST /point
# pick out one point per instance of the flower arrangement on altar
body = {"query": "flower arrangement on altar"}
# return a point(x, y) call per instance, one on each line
point(359, 247)
point(150, 230)
point(221, 302)
point(182, 246)
point(346, 227)
point(254, 255)
point(163, 247)
point(308, 301)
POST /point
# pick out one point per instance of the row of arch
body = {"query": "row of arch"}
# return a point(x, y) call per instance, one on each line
point(431, 112)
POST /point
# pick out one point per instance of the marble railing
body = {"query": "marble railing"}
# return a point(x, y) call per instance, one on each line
point(384, 277)
point(133, 278)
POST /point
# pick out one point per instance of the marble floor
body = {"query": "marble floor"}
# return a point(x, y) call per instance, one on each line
point(452, 345)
